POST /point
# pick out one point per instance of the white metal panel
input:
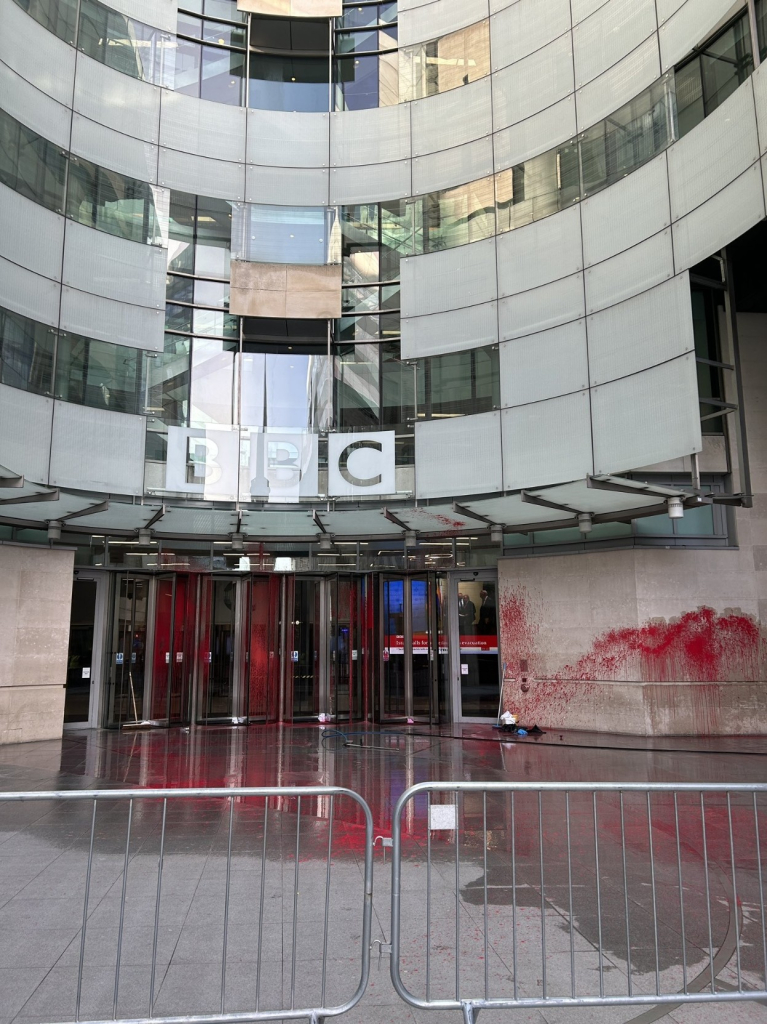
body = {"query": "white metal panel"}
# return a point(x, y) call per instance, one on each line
point(645, 330)
point(537, 253)
point(534, 83)
point(25, 433)
point(118, 152)
point(452, 118)
point(288, 139)
point(370, 136)
point(202, 127)
point(759, 82)
point(35, 53)
point(537, 134)
point(541, 308)
point(453, 331)
point(30, 235)
point(524, 27)
point(719, 221)
point(287, 186)
point(583, 9)
point(544, 365)
point(689, 26)
point(118, 322)
point(29, 294)
point(34, 108)
point(440, 18)
point(666, 8)
point(630, 272)
point(622, 82)
point(218, 179)
point(470, 162)
point(449, 279)
point(547, 442)
point(611, 32)
point(114, 267)
point(713, 153)
point(372, 183)
point(157, 13)
point(626, 213)
point(116, 100)
point(94, 449)
point(646, 418)
point(458, 456)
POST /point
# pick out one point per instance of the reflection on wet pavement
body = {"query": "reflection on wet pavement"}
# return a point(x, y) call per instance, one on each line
point(294, 922)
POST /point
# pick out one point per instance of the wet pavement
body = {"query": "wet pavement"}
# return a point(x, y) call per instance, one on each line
point(293, 930)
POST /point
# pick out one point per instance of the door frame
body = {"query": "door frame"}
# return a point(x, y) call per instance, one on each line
point(98, 655)
point(454, 642)
point(430, 578)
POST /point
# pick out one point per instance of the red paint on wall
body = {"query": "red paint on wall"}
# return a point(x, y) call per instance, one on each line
point(700, 647)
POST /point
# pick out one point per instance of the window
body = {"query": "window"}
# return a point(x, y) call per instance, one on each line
point(99, 374)
point(30, 165)
point(285, 234)
point(713, 72)
point(112, 202)
point(459, 383)
point(57, 16)
point(26, 353)
point(446, 63)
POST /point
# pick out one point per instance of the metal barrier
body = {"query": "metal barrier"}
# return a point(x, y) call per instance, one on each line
point(209, 868)
point(577, 895)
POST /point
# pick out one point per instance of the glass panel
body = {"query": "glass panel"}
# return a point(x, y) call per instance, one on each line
point(761, 25)
point(26, 353)
point(628, 138)
point(458, 215)
point(223, 75)
point(57, 16)
point(212, 382)
point(217, 649)
point(181, 233)
point(119, 42)
point(358, 388)
point(128, 651)
point(186, 70)
point(284, 234)
point(167, 382)
point(99, 374)
point(179, 289)
point(366, 17)
point(442, 64)
point(262, 655)
point(689, 96)
point(297, 391)
point(697, 522)
point(113, 203)
point(226, 9)
point(394, 648)
point(187, 25)
point(288, 83)
point(357, 83)
point(397, 387)
point(225, 35)
point(478, 639)
point(163, 649)
point(725, 63)
point(30, 165)
point(459, 384)
point(366, 42)
point(214, 237)
point(305, 656)
point(422, 647)
point(80, 665)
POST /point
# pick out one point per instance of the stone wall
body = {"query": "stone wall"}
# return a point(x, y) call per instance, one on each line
point(35, 600)
point(650, 641)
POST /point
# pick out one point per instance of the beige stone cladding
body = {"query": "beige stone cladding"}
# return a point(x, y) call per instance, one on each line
point(35, 600)
point(293, 8)
point(285, 290)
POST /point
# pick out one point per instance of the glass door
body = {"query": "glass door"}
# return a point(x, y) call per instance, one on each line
point(80, 667)
point(127, 654)
point(217, 650)
point(262, 653)
point(412, 667)
point(475, 629)
point(345, 602)
point(306, 647)
point(175, 607)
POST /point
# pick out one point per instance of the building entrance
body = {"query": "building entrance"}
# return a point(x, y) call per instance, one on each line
point(206, 649)
point(415, 651)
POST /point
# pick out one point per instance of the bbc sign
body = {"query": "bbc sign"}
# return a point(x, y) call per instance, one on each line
point(279, 466)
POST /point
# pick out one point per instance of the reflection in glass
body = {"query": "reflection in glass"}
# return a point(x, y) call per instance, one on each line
point(30, 165)
point(26, 353)
point(358, 387)
point(99, 374)
point(713, 73)
point(57, 16)
point(439, 65)
point(285, 234)
point(538, 188)
point(212, 382)
point(167, 381)
point(459, 383)
point(114, 203)
point(288, 82)
point(458, 215)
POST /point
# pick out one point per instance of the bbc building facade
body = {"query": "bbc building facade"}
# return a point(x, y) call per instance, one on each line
point(383, 361)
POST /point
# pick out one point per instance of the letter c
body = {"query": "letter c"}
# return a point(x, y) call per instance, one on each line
point(343, 459)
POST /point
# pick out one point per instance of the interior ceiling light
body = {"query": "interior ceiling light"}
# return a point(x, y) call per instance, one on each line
point(675, 508)
point(585, 524)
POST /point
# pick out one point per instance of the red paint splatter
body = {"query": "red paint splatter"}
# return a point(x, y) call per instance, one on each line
point(701, 647)
point(451, 524)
